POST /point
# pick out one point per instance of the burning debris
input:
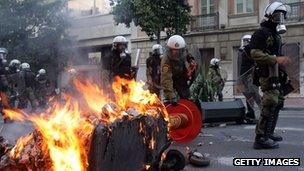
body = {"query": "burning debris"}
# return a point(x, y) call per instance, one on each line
point(128, 144)
point(27, 154)
point(100, 134)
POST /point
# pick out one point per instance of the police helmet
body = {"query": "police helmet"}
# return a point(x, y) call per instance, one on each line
point(25, 66)
point(42, 71)
point(215, 61)
point(176, 42)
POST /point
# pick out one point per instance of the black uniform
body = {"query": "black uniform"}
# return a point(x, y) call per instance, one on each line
point(117, 64)
point(265, 45)
point(153, 73)
point(3, 77)
point(28, 94)
point(247, 62)
point(42, 83)
point(4, 85)
point(249, 80)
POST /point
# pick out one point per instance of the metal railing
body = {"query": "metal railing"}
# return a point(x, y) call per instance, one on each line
point(296, 12)
point(205, 22)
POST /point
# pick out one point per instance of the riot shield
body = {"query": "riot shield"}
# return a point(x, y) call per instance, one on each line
point(245, 80)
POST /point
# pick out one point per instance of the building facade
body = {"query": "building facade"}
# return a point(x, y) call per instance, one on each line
point(215, 31)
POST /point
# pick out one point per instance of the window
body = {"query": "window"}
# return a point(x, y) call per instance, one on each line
point(294, 14)
point(291, 1)
point(88, 7)
point(243, 6)
point(207, 7)
point(94, 57)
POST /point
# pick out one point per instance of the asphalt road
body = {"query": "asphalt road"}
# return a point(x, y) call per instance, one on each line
point(225, 142)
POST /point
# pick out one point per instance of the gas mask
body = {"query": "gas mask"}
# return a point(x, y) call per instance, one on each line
point(177, 54)
point(245, 41)
point(158, 51)
point(4, 61)
point(278, 17)
point(123, 55)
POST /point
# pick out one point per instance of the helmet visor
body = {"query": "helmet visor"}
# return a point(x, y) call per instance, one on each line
point(278, 17)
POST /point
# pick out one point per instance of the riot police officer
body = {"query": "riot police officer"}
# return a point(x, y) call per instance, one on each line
point(247, 79)
point(28, 94)
point(174, 78)
point(3, 78)
point(14, 66)
point(153, 69)
point(42, 83)
point(265, 47)
point(117, 63)
point(216, 79)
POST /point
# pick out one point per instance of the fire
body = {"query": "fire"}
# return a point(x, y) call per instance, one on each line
point(93, 95)
point(129, 93)
point(126, 94)
point(147, 167)
point(15, 152)
point(66, 129)
point(15, 114)
point(152, 142)
point(64, 132)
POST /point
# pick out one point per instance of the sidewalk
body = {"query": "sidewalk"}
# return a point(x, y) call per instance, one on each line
point(294, 103)
point(291, 103)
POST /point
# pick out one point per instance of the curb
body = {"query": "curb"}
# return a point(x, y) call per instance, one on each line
point(293, 109)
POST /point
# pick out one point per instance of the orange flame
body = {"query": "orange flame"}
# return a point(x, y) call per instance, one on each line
point(127, 94)
point(15, 114)
point(93, 95)
point(66, 129)
point(64, 132)
point(16, 151)
point(61, 132)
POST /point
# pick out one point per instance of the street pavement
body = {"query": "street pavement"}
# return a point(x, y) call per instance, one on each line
point(227, 141)
point(224, 142)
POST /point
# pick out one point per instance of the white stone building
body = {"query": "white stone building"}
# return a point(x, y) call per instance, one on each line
point(216, 30)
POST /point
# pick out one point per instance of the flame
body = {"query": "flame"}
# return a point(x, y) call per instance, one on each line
point(66, 129)
point(127, 94)
point(152, 142)
point(93, 95)
point(64, 132)
point(15, 114)
point(147, 166)
point(16, 151)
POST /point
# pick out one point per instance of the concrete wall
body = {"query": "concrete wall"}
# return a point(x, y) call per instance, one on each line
point(98, 30)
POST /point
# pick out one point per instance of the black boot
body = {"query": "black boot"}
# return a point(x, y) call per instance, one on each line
point(264, 142)
point(250, 116)
point(274, 136)
point(250, 112)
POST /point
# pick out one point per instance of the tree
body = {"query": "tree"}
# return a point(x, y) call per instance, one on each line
point(153, 16)
point(33, 31)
